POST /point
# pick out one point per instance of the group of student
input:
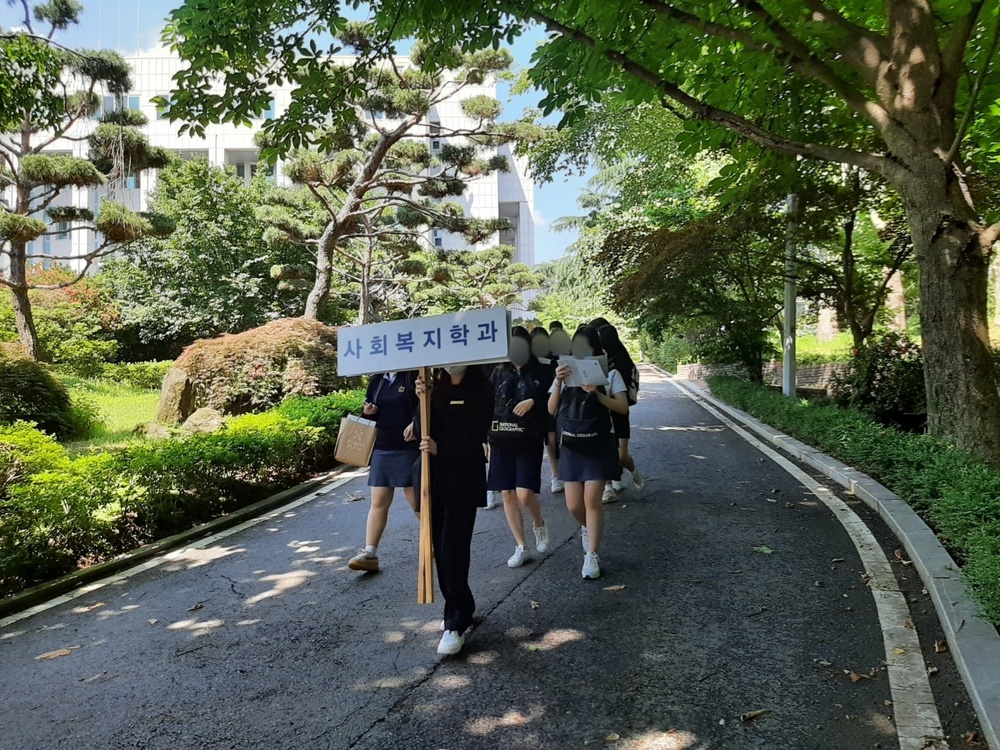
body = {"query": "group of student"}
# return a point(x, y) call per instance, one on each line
point(489, 431)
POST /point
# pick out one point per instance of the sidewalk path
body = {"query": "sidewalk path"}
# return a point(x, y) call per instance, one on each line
point(737, 591)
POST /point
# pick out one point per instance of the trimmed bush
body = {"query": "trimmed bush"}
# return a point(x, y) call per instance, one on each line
point(146, 375)
point(29, 392)
point(255, 370)
point(885, 378)
point(61, 513)
point(958, 496)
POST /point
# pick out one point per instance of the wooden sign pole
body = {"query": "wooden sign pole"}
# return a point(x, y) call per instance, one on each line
point(425, 580)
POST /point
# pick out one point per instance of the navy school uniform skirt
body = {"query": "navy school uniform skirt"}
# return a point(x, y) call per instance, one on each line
point(392, 468)
point(591, 466)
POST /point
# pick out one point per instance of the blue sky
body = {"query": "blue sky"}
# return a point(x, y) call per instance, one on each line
point(129, 26)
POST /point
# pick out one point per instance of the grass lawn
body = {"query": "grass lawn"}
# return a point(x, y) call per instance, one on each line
point(809, 350)
point(119, 407)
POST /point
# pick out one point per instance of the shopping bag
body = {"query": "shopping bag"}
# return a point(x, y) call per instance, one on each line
point(355, 441)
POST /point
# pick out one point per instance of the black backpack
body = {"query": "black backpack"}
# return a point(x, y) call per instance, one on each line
point(632, 386)
point(508, 429)
point(583, 422)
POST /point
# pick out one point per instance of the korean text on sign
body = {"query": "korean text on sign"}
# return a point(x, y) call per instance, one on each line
point(471, 337)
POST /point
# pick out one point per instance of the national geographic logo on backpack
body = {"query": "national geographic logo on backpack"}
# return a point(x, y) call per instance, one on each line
point(499, 427)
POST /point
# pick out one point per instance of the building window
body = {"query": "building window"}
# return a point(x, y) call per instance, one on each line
point(268, 170)
point(438, 236)
point(269, 112)
point(434, 131)
point(161, 111)
point(63, 230)
point(247, 170)
point(133, 102)
point(132, 182)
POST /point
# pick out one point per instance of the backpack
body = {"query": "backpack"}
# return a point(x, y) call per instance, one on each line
point(632, 390)
point(508, 429)
point(583, 423)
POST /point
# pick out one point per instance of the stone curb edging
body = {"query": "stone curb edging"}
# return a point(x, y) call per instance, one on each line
point(974, 643)
point(51, 589)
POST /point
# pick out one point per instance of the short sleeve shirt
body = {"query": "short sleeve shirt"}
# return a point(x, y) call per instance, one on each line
point(616, 384)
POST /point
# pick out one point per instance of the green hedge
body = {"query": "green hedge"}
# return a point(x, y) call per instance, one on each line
point(958, 496)
point(146, 375)
point(61, 513)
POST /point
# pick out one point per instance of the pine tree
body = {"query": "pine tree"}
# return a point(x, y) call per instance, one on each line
point(49, 93)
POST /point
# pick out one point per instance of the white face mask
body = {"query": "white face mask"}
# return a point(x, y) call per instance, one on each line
point(455, 370)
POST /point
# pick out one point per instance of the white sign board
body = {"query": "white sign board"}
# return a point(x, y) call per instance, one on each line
point(472, 337)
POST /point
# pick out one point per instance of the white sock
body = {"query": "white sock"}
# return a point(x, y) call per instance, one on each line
point(372, 550)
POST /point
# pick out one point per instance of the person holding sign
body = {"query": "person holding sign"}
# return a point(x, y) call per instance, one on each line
point(588, 456)
point(461, 409)
point(391, 402)
point(515, 443)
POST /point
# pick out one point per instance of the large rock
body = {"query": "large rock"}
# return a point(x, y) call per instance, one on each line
point(152, 431)
point(176, 398)
point(205, 420)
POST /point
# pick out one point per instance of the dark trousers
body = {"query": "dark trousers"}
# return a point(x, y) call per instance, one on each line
point(453, 520)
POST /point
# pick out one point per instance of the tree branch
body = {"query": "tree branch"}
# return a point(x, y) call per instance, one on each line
point(990, 236)
point(977, 86)
point(954, 49)
point(702, 111)
point(810, 64)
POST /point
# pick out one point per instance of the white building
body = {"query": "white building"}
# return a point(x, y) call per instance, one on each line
point(509, 195)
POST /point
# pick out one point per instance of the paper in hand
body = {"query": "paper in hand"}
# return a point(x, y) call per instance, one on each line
point(584, 371)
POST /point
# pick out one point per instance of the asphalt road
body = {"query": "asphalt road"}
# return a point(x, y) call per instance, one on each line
point(265, 639)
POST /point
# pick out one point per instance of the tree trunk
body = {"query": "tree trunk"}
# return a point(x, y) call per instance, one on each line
point(321, 286)
point(365, 297)
point(996, 291)
point(963, 399)
point(896, 301)
point(24, 319)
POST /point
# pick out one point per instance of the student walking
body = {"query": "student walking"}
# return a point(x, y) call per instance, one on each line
point(559, 340)
point(588, 457)
point(461, 410)
point(619, 359)
point(390, 401)
point(515, 443)
point(541, 347)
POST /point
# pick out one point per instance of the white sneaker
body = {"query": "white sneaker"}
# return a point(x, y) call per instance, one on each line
point(451, 643)
point(558, 486)
point(591, 566)
point(542, 539)
point(609, 496)
point(585, 539)
point(519, 558)
point(638, 480)
point(364, 561)
point(493, 500)
point(617, 486)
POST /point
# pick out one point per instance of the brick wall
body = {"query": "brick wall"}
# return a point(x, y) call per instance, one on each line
point(806, 376)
